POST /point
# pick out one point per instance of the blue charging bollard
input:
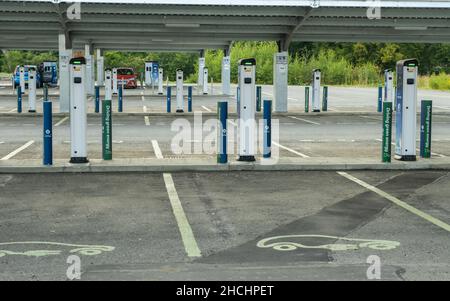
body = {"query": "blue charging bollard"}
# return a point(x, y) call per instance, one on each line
point(267, 137)
point(48, 133)
point(169, 97)
point(380, 99)
point(120, 99)
point(222, 115)
point(97, 99)
point(19, 99)
point(190, 99)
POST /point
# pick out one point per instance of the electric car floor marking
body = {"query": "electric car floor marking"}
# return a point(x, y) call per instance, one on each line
point(291, 150)
point(61, 121)
point(396, 201)
point(15, 152)
point(147, 120)
point(207, 109)
point(304, 120)
point(157, 150)
point(187, 236)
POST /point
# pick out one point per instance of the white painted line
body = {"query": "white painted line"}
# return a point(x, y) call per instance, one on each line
point(13, 110)
point(206, 109)
point(187, 236)
point(144, 108)
point(157, 150)
point(304, 120)
point(290, 150)
point(15, 152)
point(147, 120)
point(373, 118)
point(444, 108)
point(61, 121)
point(418, 149)
point(232, 122)
point(398, 202)
point(142, 98)
point(1, 142)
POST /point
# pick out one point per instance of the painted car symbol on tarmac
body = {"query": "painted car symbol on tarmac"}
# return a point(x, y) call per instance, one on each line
point(291, 243)
point(86, 250)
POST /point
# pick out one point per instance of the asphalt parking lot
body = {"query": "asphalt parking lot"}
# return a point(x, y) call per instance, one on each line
point(225, 226)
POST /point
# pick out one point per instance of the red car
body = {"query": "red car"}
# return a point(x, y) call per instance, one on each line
point(128, 77)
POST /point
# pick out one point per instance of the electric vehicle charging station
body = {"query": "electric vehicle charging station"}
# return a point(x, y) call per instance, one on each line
point(226, 67)
point(280, 82)
point(78, 118)
point(180, 96)
point(316, 90)
point(160, 81)
point(108, 84)
point(405, 123)
point(201, 65)
point(388, 85)
point(148, 73)
point(115, 88)
point(205, 81)
point(247, 110)
point(32, 90)
point(22, 79)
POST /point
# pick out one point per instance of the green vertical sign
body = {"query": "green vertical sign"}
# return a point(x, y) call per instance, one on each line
point(106, 130)
point(425, 128)
point(306, 99)
point(387, 132)
point(258, 98)
point(325, 99)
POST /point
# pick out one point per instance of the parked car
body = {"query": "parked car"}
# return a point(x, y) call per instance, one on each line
point(128, 77)
point(16, 77)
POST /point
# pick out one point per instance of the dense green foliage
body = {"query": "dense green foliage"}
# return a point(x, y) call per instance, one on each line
point(341, 63)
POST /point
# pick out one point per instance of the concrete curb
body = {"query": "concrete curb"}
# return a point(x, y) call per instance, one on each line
point(233, 167)
point(161, 114)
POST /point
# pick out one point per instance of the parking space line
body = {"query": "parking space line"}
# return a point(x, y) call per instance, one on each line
point(147, 120)
point(13, 110)
point(290, 150)
point(444, 108)
point(206, 109)
point(61, 121)
point(187, 236)
point(15, 152)
point(144, 108)
point(397, 201)
point(417, 149)
point(232, 122)
point(304, 120)
point(157, 150)
point(373, 118)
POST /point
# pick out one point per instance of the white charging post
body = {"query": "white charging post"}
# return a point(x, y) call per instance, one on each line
point(405, 123)
point(160, 81)
point(22, 79)
point(205, 80)
point(226, 67)
point(247, 109)
point(316, 103)
point(388, 85)
point(78, 119)
point(115, 87)
point(108, 84)
point(32, 90)
point(148, 73)
point(180, 96)
point(280, 82)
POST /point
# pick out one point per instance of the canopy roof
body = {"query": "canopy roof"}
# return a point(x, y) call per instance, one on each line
point(193, 25)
